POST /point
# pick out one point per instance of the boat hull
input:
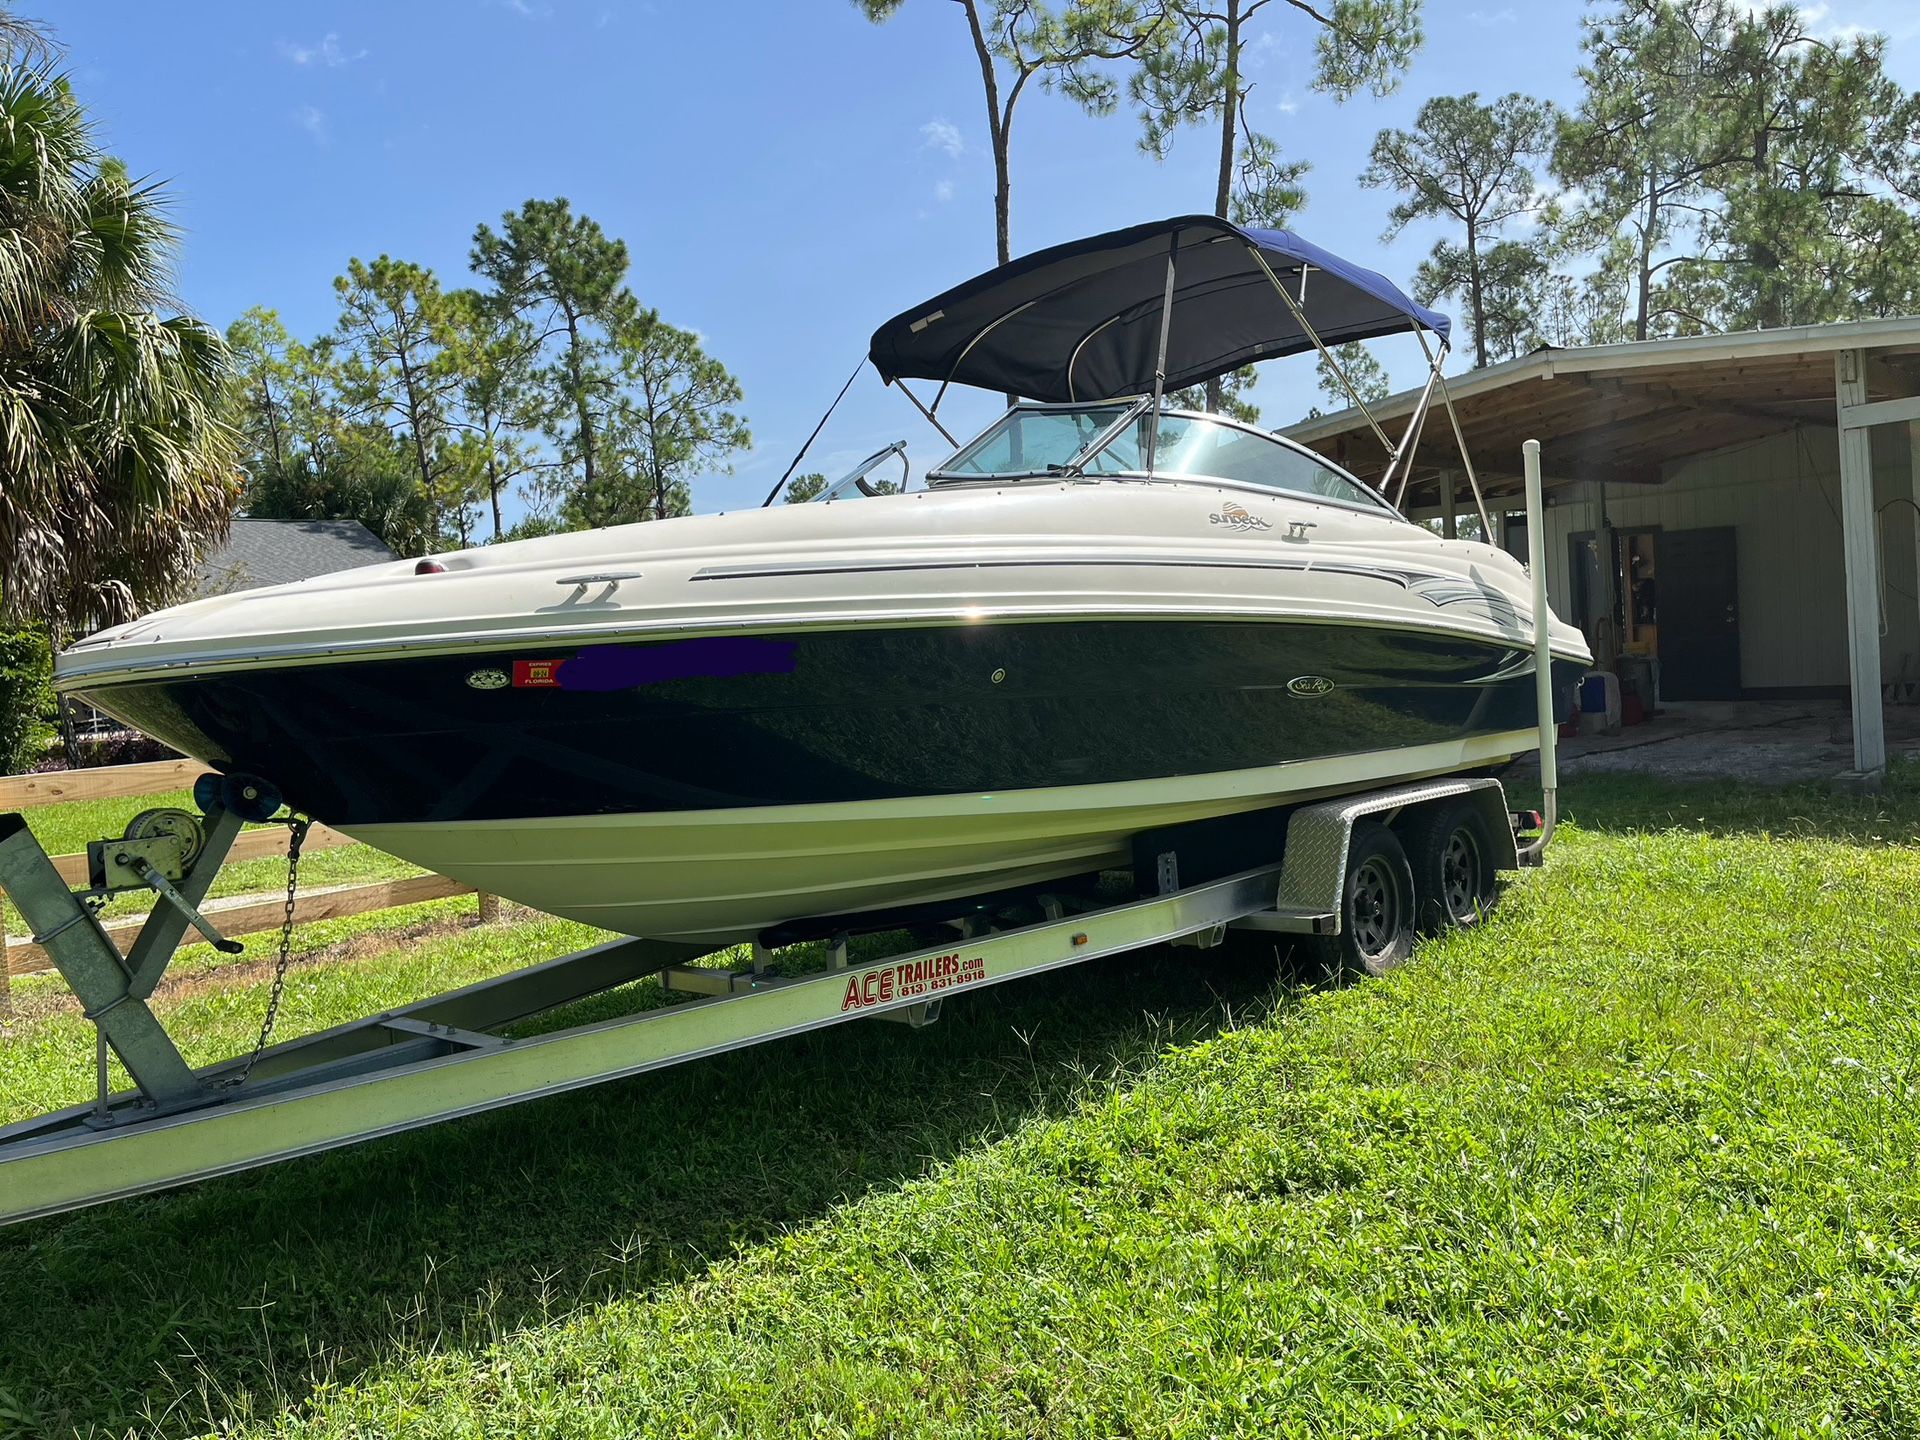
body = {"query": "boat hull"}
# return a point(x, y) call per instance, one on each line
point(726, 875)
point(708, 787)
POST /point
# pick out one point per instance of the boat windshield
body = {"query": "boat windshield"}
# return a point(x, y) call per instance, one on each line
point(1036, 440)
point(857, 482)
point(1031, 441)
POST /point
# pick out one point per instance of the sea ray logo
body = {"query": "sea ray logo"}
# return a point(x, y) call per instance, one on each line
point(488, 679)
point(1310, 687)
point(1235, 517)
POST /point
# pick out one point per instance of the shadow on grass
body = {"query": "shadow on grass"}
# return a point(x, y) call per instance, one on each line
point(165, 1312)
point(1614, 802)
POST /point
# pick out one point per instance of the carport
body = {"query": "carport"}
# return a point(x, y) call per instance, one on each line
point(1736, 513)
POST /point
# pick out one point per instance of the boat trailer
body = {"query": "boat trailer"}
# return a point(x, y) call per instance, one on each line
point(454, 1054)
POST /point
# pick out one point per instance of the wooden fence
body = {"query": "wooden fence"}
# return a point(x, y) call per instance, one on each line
point(237, 915)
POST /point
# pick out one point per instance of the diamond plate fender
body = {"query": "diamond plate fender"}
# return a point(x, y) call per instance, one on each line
point(1318, 835)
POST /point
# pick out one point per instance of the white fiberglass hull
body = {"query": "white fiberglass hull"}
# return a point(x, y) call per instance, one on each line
point(725, 875)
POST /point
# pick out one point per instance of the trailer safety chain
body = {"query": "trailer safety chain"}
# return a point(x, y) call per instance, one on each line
point(297, 827)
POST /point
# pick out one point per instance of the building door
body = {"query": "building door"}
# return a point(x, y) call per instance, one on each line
point(1699, 615)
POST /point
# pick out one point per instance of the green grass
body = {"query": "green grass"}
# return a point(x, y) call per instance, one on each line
point(1638, 1157)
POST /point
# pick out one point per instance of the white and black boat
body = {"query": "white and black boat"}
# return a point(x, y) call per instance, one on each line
point(1102, 616)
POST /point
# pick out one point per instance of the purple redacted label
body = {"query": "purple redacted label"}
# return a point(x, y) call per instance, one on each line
point(622, 667)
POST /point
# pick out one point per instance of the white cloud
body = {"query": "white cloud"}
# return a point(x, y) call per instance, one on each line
point(528, 9)
point(1490, 18)
point(313, 120)
point(1816, 20)
point(943, 191)
point(943, 135)
point(326, 51)
point(1288, 105)
point(1894, 19)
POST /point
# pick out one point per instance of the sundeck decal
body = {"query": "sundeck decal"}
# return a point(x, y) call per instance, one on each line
point(488, 679)
point(1235, 517)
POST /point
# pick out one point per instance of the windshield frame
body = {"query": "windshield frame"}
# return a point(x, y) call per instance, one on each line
point(1131, 405)
point(853, 482)
point(1369, 502)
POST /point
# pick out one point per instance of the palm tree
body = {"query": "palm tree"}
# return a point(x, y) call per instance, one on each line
point(117, 466)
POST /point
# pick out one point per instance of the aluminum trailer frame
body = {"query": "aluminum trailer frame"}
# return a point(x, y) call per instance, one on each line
point(444, 1057)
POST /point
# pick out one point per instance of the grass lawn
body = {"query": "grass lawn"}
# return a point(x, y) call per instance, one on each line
point(1636, 1158)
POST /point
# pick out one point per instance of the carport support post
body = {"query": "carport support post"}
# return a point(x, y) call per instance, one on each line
point(1863, 567)
point(1913, 511)
point(1449, 526)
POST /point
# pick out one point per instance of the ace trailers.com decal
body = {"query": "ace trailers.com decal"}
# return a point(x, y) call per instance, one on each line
point(912, 980)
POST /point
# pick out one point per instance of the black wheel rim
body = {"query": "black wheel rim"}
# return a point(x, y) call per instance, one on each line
point(1376, 907)
point(1460, 875)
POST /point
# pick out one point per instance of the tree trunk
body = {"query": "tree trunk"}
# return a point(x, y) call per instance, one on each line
point(1229, 112)
point(999, 131)
point(582, 411)
point(493, 471)
point(1479, 301)
point(1762, 258)
point(1641, 321)
point(420, 445)
point(996, 134)
point(273, 425)
point(1229, 136)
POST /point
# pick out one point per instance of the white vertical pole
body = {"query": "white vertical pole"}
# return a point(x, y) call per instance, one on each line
point(1542, 646)
point(1913, 515)
point(1857, 531)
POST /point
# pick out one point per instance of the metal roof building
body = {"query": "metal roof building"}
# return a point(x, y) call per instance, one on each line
point(1739, 511)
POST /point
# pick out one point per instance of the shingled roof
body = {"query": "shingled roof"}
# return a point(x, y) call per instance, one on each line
point(273, 552)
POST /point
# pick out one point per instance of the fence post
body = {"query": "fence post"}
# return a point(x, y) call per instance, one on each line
point(489, 908)
point(6, 979)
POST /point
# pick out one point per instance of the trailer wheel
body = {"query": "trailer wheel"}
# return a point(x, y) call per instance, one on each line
point(1376, 906)
point(1452, 857)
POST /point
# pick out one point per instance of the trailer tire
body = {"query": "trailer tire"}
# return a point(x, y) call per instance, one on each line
point(1377, 900)
point(1451, 851)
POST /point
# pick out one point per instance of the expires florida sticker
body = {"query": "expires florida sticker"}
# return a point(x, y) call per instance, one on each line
point(534, 674)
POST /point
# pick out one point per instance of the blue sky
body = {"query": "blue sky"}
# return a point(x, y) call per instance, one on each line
point(786, 174)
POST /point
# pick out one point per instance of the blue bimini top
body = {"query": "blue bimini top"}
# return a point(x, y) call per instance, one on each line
point(1081, 321)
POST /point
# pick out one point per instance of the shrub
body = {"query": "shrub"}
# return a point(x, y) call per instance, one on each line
point(26, 698)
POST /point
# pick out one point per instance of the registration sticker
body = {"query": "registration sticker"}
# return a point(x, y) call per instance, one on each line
point(536, 673)
point(912, 980)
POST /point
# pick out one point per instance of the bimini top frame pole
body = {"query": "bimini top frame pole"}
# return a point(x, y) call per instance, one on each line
point(1160, 354)
point(1466, 458)
point(1333, 361)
